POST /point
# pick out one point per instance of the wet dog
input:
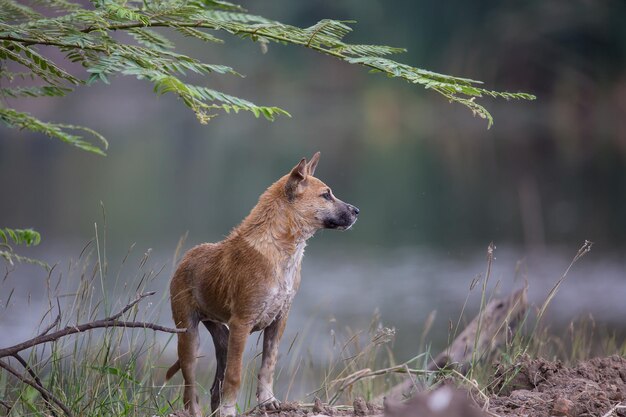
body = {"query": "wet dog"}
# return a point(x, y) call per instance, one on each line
point(247, 282)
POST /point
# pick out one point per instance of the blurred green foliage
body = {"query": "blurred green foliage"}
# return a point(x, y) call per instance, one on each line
point(85, 36)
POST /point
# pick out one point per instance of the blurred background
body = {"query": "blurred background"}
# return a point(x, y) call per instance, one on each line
point(433, 184)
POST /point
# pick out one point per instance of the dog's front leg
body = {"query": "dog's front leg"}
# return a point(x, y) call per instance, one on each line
point(239, 331)
point(271, 338)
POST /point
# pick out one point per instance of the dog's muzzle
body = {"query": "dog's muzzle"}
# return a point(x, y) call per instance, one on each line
point(343, 219)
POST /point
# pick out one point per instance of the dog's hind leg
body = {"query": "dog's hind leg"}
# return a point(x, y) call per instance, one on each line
point(219, 333)
point(187, 357)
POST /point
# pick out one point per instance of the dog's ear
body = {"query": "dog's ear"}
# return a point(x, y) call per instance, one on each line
point(313, 163)
point(296, 177)
point(299, 172)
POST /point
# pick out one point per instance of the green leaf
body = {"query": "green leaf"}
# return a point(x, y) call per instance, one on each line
point(11, 258)
point(22, 120)
point(111, 370)
point(368, 50)
point(11, 10)
point(151, 39)
point(121, 13)
point(28, 237)
point(45, 91)
point(198, 34)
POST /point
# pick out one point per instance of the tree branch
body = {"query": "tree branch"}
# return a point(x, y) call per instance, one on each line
point(30, 42)
point(51, 326)
point(131, 305)
point(6, 405)
point(172, 25)
point(104, 323)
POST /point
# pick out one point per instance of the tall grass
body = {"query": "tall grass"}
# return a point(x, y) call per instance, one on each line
point(103, 372)
point(580, 341)
point(120, 371)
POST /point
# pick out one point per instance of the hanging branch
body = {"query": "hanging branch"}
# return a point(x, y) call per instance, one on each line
point(85, 35)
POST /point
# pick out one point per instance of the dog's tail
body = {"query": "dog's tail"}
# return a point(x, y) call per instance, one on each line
point(172, 371)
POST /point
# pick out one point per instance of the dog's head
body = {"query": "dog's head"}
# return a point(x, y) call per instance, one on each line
point(314, 201)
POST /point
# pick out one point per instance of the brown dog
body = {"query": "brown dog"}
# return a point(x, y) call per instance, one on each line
point(247, 282)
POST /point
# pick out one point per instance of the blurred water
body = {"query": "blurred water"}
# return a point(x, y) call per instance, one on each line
point(342, 289)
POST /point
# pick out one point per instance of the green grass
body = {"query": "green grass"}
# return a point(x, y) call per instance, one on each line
point(102, 372)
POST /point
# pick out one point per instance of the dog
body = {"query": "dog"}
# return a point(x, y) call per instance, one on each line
point(247, 282)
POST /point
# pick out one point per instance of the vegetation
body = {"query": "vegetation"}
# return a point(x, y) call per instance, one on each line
point(111, 37)
point(9, 237)
point(104, 369)
point(114, 370)
point(107, 371)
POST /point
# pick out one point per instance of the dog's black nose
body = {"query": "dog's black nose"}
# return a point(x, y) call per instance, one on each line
point(354, 209)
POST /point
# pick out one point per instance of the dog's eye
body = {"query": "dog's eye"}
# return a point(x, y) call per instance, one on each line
point(327, 196)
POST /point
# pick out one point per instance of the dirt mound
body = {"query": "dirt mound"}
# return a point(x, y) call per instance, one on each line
point(539, 387)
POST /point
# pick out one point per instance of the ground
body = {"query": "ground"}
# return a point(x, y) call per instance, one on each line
point(538, 387)
point(529, 388)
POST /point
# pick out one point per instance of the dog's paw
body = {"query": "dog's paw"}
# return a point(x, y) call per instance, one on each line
point(227, 411)
point(270, 404)
point(266, 400)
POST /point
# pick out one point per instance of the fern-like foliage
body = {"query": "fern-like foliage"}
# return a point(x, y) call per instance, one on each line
point(28, 237)
point(86, 36)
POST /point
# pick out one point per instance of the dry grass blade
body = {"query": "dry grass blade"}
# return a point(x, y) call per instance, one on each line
point(368, 373)
point(584, 249)
point(620, 406)
point(497, 317)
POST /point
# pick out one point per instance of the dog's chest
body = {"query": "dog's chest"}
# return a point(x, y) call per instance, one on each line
point(289, 271)
point(280, 296)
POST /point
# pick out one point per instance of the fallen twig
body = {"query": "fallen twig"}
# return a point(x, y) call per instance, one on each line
point(367, 373)
point(104, 323)
point(35, 377)
point(619, 406)
point(6, 405)
point(52, 325)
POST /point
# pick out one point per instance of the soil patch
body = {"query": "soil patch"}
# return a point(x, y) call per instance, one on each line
point(538, 387)
point(359, 408)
